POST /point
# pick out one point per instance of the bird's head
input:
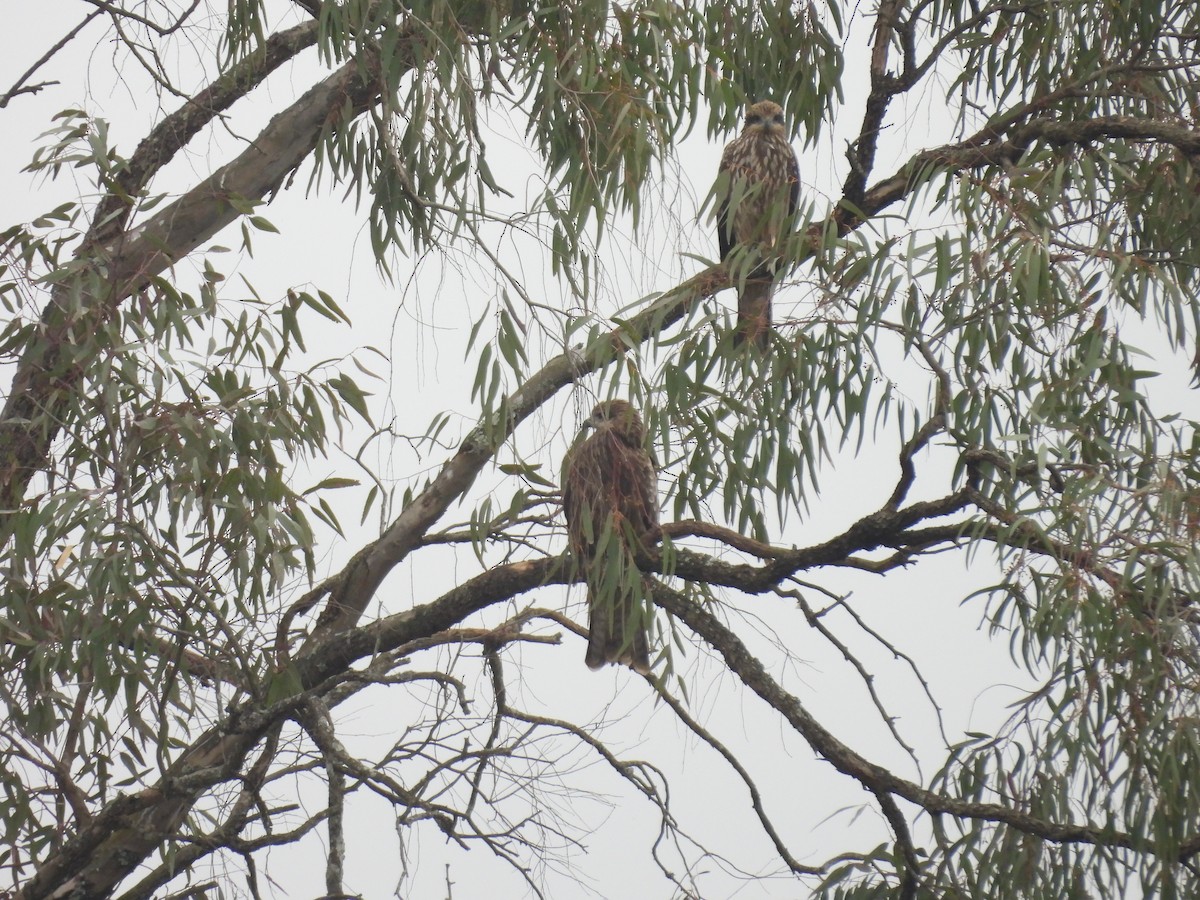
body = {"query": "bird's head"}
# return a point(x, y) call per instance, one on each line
point(618, 415)
point(765, 116)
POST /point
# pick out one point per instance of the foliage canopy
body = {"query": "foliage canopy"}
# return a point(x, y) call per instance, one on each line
point(210, 465)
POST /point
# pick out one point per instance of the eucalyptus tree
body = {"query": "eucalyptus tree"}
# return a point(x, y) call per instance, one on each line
point(220, 534)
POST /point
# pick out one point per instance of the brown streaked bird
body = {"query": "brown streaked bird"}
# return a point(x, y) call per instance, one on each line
point(759, 189)
point(610, 498)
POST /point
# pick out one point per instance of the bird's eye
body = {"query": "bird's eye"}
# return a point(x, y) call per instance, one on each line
point(753, 120)
point(779, 118)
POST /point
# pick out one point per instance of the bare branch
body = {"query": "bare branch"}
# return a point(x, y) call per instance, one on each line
point(119, 12)
point(755, 797)
point(866, 677)
point(876, 778)
point(19, 87)
point(175, 131)
point(883, 87)
point(909, 872)
point(236, 820)
point(319, 724)
point(696, 528)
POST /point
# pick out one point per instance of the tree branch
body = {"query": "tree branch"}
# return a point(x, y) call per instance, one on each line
point(755, 796)
point(991, 147)
point(883, 87)
point(114, 271)
point(352, 589)
point(174, 132)
point(112, 844)
point(872, 777)
point(235, 821)
point(19, 87)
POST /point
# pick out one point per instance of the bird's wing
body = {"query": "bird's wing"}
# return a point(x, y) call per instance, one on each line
point(725, 236)
point(793, 189)
point(578, 498)
point(639, 494)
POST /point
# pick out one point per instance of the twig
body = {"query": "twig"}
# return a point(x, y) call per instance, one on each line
point(867, 678)
point(755, 797)
point(20, 88)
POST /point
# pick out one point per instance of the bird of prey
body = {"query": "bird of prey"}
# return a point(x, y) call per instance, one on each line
point(610, 498)
point(758, 186)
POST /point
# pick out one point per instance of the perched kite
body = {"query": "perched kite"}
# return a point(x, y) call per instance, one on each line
point(610, 497)
point(758, 188)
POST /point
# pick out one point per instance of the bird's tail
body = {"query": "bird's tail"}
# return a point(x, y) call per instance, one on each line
point(754, 312)
point(617, 633)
